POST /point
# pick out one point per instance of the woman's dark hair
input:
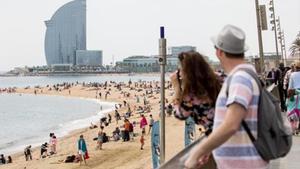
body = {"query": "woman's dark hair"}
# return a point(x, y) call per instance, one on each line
point(198, 77)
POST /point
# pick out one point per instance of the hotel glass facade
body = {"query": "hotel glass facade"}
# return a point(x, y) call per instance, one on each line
point(66, 33)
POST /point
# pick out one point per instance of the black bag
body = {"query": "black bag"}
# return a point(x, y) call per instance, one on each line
point(70, 159)
point(130, 127)
point(105, 138)
point(274, 134)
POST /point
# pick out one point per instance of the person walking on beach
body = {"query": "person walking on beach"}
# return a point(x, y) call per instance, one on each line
point(27, 153)
point(100, 138)
point(231, 145)
point(151, 121)
point(82, 149)
point(143, 123)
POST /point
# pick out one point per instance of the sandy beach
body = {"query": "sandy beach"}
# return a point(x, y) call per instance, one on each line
point(119, 155)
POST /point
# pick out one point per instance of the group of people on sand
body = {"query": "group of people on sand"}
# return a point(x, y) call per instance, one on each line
point(51, 145)
point(3, 160)
point(8, 90)
point(46, 149)
point(125, 131)
point(82, 152)
point(133, 118)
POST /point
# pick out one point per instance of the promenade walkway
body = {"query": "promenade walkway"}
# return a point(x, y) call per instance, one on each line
point(292, 160)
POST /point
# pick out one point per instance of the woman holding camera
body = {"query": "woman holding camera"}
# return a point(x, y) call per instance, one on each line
point(196, 89)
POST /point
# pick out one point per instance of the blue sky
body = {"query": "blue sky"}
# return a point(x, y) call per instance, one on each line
point(122, 28)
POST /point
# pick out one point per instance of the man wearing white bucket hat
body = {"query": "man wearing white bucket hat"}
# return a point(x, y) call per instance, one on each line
point(229, 143)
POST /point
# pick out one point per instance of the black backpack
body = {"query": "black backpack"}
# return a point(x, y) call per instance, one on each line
point(274, 134)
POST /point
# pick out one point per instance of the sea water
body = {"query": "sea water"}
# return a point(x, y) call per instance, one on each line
point(28, 119)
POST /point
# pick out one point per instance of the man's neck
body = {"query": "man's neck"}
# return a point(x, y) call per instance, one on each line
point(230, 64)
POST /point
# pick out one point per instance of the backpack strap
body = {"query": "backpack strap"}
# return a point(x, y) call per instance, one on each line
point(244, 124)
point(246, 127)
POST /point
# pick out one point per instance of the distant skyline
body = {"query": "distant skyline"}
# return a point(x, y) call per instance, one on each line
point(131, 27)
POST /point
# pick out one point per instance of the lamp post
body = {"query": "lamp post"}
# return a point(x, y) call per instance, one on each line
point(272, 10)
point(284, 47)
point(279, 37)
point(281, 41)
point(260, 44)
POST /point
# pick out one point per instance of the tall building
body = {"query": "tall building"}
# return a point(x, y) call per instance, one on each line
point(66, 33)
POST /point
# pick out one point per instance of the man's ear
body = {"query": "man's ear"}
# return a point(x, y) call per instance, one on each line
point(219, 53)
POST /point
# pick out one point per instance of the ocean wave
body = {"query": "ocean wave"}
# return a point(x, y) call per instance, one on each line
point(82, 123)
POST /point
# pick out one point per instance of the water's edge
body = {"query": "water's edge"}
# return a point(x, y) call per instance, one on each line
point(68, 127)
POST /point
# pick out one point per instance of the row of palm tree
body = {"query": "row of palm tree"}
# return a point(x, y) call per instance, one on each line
point(295, 48)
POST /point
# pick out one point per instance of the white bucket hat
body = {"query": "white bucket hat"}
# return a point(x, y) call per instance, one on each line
point(231, 39)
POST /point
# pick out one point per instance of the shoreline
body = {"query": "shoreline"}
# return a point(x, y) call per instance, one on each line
point(84, 74)
point(114, 154)
point(60, 132)
point(32, 81)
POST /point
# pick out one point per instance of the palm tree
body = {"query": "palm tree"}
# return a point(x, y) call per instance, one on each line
point(295, 48)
